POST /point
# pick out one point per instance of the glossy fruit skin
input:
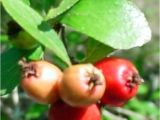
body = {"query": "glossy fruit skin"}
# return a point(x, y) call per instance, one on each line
point(40, 81)
point(62, 111)
point(122, 80)
point(75, 88)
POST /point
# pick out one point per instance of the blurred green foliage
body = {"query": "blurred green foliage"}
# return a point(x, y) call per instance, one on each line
point(145, 105)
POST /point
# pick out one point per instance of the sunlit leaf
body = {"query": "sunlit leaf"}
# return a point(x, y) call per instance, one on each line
point(117, 23)
point(34, 24)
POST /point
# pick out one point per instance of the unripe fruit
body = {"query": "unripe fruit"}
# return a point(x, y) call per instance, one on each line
point(40, 80)
point(24, 40)
point(62, 111)
point(122, 80)
point(82, 85)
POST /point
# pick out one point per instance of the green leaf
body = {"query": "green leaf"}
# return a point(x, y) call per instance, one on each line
point(35, 111)
point(4, 38)
point(27, 2)
point(117, 23)
point(36, 54)
point(34, 24)
point(47, 4)
point(96, 50)
point(143, 89)
point(4, 116)
point(10, 70)
point(156, 95)
point(64, 5)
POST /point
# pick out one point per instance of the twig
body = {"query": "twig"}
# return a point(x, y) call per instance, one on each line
point(15, 97)
point(112, 116)
point(128, 113)
point(63, 37)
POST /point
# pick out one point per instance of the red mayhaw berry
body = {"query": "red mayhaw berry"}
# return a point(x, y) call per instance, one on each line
point(62, 111)
point(122, 80)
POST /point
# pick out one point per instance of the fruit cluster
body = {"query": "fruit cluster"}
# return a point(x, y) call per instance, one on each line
point(80, 90)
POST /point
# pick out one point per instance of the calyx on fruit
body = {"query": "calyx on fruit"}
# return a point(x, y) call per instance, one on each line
point(122, 80)
point(40, 80)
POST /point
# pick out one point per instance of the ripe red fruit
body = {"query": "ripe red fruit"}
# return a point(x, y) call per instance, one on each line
point(122, 80)
point(40, 80)
point(62, 111)
point(82, 85)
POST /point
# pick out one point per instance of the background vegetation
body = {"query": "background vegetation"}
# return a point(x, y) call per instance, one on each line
point(145, 106)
